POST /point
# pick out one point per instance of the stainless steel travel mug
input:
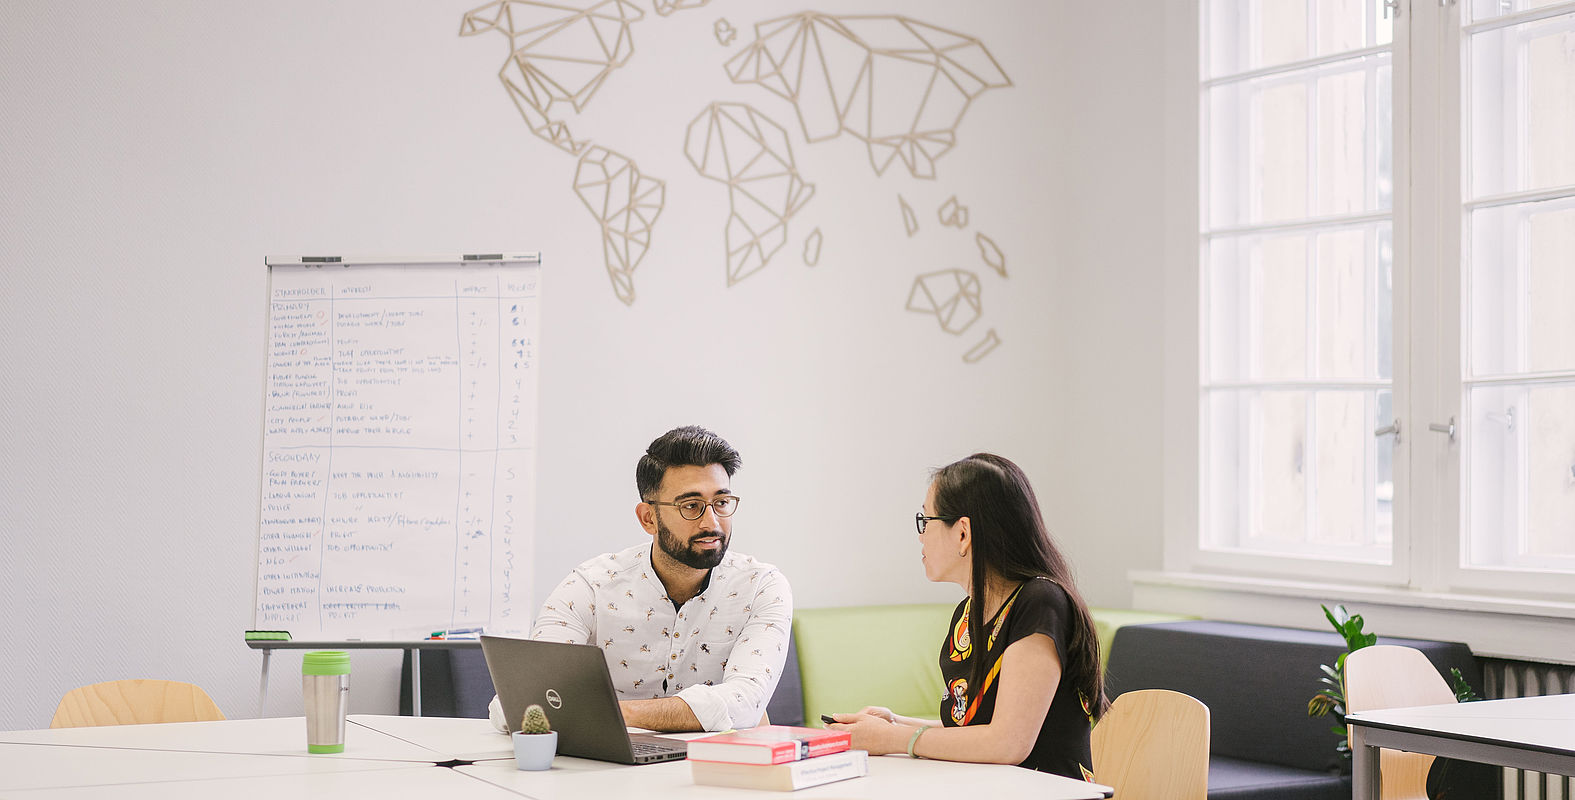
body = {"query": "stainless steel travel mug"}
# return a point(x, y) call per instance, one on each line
point(325, 689)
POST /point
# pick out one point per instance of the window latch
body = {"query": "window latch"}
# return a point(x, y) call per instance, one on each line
point(1393, 427)
point(1448, 429)
point(1392, 5)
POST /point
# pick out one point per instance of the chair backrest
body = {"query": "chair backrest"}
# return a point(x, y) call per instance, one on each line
point(1154, 743)
point(131, 702)
point(1391, 676)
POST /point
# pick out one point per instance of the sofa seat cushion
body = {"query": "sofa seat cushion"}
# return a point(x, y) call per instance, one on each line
point(1236, 779)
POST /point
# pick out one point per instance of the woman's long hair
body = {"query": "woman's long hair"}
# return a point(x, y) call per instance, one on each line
point(1011, 543)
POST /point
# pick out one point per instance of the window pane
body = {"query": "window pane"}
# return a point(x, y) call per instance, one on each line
point(1522, 117)
point(1550, 473)
point(1344, 179)
point(1523, 477)
point(1317, 142)
point(1256, 324)
point(1297, 294)
point(1341, 436)
point(1279, 482)
point(1522, 288)
point(1281, 324)
point(1345, 304)
point(1279, 477)
point(1257, 307)
point(1487, 9)
point(1225, 469)
point(1253, 34)
point(1281, 140)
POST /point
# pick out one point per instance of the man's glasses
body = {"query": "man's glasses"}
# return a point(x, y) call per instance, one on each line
point(694, 508)
point(919, 520)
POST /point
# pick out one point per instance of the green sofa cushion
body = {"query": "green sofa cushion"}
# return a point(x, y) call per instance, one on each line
point(859, 656)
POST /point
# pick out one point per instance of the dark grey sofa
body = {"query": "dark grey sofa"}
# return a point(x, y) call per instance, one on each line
point(1256, 681)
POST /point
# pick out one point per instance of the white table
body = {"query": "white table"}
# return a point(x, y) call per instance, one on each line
point(1534, 733)
point(466, 739)
point(274, 736)
point(39, 766)
point(393, 782)
point(396, 757)
point(890, 777)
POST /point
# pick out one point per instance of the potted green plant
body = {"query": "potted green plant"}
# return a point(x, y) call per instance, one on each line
point(535, 743)
point(1448, 778)
point(1331, 698)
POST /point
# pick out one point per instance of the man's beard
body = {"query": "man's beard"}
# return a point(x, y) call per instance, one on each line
point(684, 552)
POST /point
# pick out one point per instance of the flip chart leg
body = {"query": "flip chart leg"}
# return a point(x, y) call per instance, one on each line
point(415, 681)
point(262, 688)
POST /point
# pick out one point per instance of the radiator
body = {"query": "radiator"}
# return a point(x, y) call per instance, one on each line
point(1503, 679)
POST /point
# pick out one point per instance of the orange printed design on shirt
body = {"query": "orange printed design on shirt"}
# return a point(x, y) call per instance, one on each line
point(1088, 775)
point(957, 690)
point(1000, 619)
point(961, 644)
point(1088, 711)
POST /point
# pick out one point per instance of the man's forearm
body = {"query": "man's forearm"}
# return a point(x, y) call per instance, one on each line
point(663, 714)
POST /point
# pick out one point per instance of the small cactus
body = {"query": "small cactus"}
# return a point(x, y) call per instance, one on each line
point(535, 721)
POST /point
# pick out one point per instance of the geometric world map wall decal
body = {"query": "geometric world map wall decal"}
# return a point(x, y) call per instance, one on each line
point(951, 295)
point(626, 205)
point(557, 54)
point(737, 145)
point(898, 84)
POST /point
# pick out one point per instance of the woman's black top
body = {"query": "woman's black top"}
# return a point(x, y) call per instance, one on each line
point(1037, 606)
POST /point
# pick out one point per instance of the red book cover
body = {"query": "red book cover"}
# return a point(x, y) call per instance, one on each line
point(769, 744)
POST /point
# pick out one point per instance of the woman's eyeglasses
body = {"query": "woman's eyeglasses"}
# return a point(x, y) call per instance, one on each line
point(920, 520)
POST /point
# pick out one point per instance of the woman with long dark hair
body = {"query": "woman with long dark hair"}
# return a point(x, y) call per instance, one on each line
point(1021, 658)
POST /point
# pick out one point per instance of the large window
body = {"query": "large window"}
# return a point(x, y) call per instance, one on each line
point(1298, 361)
point(1387, 320)
point(1518, 210)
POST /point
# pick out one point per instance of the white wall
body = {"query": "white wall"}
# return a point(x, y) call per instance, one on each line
point(152, 154)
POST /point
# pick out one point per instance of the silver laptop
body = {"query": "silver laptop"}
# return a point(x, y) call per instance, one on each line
point(571, 683)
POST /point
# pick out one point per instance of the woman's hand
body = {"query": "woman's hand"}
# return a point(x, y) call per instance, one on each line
point(878, 711)
point(873, 731)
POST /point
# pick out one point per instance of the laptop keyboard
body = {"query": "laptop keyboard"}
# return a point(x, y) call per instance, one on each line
point(651, 748)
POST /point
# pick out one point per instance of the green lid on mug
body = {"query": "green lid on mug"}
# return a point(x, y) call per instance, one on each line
point(326, 662)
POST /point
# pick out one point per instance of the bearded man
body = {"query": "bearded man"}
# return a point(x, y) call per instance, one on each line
point(695, 636)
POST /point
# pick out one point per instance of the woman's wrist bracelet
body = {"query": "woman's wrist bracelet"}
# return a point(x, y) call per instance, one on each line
point(915, 740)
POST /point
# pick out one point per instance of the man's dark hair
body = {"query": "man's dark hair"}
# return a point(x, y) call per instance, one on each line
point(688, 446)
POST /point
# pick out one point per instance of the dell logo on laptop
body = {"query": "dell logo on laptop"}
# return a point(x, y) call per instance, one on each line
point(553, 699)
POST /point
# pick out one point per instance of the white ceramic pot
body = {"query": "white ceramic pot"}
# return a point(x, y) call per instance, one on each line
point(535, 751)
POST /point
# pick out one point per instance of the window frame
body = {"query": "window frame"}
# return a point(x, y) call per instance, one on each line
point(1190, 554)
point(1426, 588)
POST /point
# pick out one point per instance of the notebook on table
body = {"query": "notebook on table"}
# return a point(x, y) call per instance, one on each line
point(571, 683)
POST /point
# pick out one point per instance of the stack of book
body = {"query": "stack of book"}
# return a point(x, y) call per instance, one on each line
point(776, 757)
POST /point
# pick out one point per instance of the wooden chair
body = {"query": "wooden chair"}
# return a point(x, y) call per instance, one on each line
point(1390, 676)
point(1153, 744)
point(131, 702)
